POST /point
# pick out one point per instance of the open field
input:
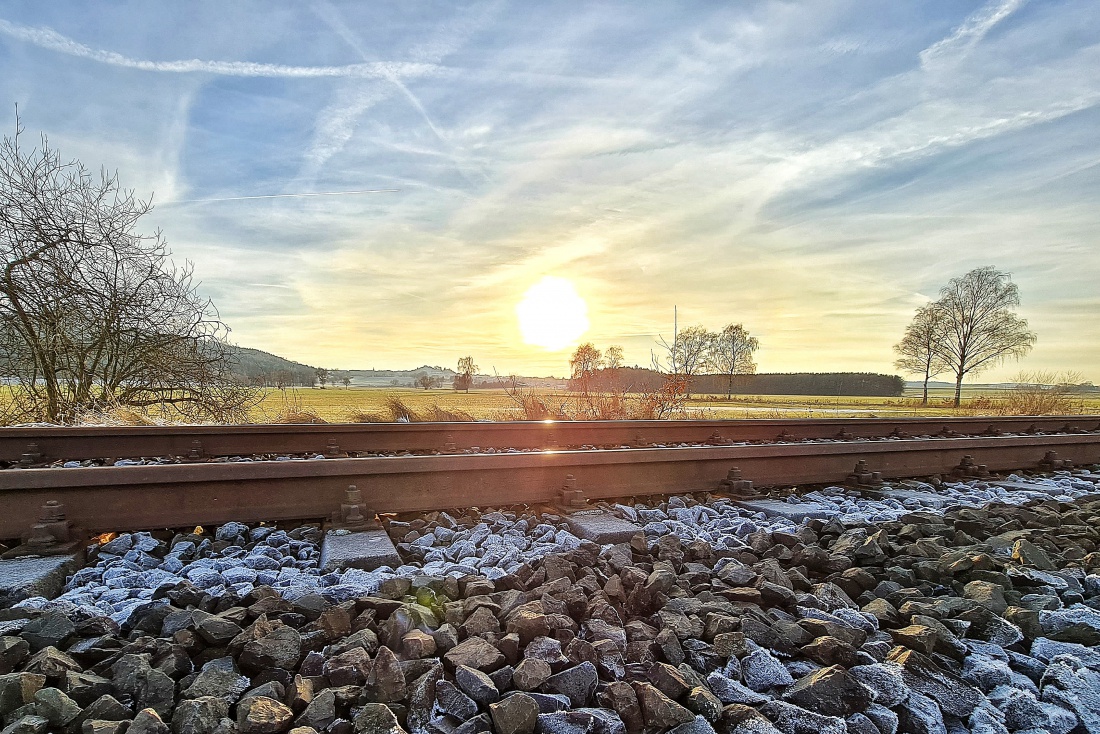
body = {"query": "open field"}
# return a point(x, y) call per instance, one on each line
point(335, 405)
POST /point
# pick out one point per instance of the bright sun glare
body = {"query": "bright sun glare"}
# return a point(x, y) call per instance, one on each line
point(552, 315)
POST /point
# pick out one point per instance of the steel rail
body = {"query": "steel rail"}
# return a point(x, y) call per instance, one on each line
point(102, 442)
point(176, 495)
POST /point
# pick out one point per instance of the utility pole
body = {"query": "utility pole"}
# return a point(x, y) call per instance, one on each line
point(675, 331)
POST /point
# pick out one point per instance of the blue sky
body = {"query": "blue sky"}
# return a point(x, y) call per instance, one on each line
point(814, 170)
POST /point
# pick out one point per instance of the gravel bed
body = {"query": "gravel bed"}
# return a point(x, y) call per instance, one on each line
point(975, 612)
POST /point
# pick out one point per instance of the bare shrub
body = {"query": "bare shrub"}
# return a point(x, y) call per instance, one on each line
point(535, 407)
point(293, 411)
point(298, 415)
point(981, 405)
point(397, 411)
point(1043, 393)
point(667, 401)
point(607, 406)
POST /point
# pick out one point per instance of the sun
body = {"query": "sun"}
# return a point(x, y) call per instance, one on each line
point(552, 315)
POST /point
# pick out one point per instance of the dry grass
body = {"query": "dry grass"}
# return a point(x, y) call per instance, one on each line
point(297, 415)
point(1039, 393)
point(118, 417)
point(668, 401)
point(386, 405)
point(397, 411)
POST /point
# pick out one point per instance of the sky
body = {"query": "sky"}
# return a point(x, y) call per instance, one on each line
point(813, 170)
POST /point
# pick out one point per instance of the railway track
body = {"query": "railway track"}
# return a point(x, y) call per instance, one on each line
point(439, 468)
point(39, 446)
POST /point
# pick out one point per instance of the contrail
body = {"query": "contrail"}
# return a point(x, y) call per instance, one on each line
point(282, 196)
point(50, 39)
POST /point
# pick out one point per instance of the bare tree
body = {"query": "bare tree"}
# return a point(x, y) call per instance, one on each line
point(613, 357)
point(980, 328)
point(689, 352)
point(466, 371)
point(322, 376)
point(92, 313)
point(346, 381)
point(583, 365)
point(918, 350)
point(731, 354)
point(283, 379)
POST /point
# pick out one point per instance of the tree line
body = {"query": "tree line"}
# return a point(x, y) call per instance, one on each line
point(281, 379)
point(644, 379)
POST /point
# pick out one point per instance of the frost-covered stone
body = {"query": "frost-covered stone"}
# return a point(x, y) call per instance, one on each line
point(1079, 624)
point(1071, 685)
point(761, 671)
point(884, 681)
point(730, 691)
point(1045, 650)
point(795, 720)
point(921, 715)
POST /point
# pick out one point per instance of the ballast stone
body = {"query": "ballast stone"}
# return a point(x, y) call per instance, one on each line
point(366, 550)
point(23, 578)
point(797, 511)
point(927, 499)
point(602, 527)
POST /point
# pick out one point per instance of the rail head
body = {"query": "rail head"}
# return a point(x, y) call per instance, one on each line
point(36, 446)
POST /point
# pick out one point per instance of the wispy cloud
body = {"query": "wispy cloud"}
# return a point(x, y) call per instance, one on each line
point(304, 195)
point(971, 31)
point(338, 122)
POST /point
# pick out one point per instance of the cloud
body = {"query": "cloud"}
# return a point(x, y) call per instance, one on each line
point(970, 32)
point(53, 41)
point(339, 121)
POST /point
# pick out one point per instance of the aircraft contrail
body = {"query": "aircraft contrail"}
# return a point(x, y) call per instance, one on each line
point(282, 196)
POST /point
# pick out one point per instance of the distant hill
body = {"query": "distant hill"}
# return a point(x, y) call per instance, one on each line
point(269, 370)
point(255, 359)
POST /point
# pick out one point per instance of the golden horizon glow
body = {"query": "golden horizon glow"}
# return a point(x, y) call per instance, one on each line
point(552, 315)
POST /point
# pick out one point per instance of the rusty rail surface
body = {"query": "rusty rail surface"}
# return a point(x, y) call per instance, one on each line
point(41, 445)
point(135, 497)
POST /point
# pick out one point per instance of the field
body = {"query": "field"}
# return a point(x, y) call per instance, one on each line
point(337, 405)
